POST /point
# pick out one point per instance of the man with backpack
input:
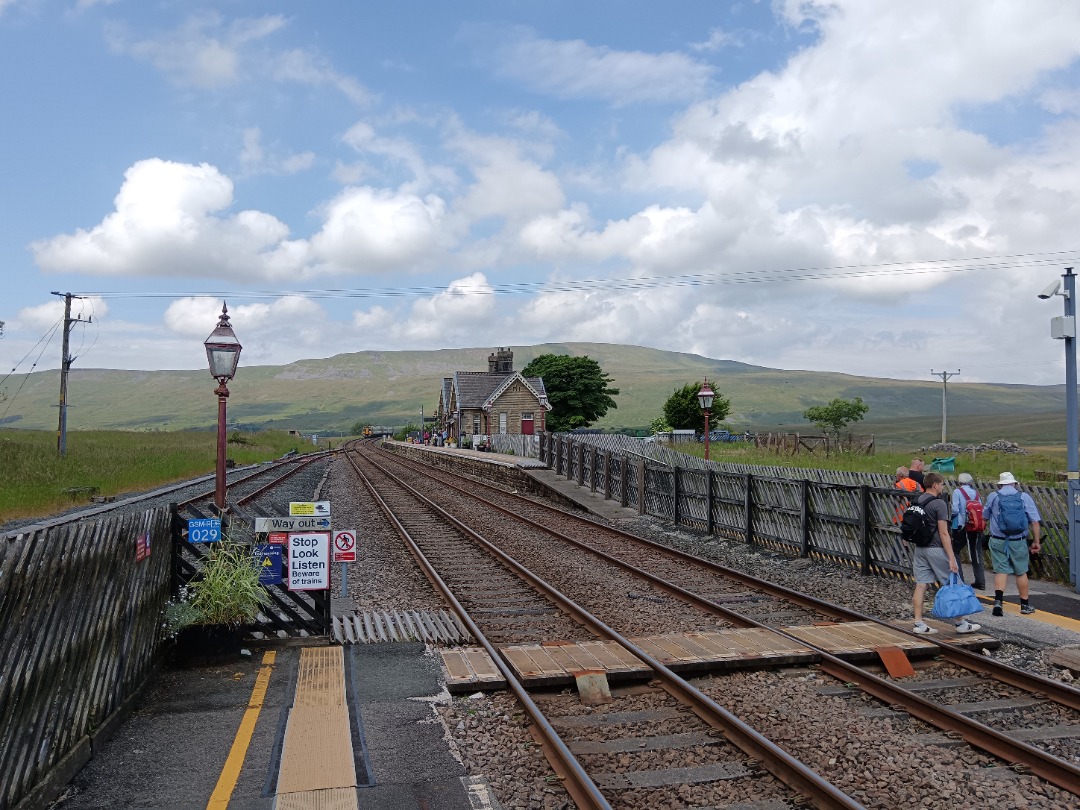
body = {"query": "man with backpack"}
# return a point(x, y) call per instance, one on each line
point(968, 524)
point(926, 526)
point(1009, 512)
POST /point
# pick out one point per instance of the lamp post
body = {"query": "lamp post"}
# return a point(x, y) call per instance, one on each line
point(223, 354)
point(1065, 328)
point(705, 398)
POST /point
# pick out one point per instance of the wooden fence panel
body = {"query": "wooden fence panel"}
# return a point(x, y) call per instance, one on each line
point(837, 528)
point(80, 631)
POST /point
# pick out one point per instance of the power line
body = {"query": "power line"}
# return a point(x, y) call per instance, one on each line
point(836, 272)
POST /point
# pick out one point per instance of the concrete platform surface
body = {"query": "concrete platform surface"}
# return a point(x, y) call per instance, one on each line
point(175, 750)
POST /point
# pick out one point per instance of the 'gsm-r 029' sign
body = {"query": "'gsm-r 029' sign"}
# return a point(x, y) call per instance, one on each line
point(203, 530)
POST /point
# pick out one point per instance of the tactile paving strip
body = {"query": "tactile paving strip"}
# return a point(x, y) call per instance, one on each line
point(317, 767)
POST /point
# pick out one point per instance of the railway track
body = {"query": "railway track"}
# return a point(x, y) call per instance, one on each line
point(1028, 721)
point(709, 748)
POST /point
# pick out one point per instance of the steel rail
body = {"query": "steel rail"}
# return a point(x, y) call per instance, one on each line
point(791, 771)
point(1049, 767)
point(298, 462)
point(1056, 691)
point(294, 469)
point(578, 784)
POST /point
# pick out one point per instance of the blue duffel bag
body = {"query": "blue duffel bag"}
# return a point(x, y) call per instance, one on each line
point(956, 599)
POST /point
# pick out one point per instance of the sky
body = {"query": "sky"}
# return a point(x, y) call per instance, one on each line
point(863, 186)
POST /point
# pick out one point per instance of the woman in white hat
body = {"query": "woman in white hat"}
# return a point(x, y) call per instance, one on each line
point(1009, 513)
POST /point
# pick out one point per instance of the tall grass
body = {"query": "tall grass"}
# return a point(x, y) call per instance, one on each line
point(982, 467)
point(35, 481)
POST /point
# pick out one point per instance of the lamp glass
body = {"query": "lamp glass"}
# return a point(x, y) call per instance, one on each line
point(705, 397)
point(223, 360)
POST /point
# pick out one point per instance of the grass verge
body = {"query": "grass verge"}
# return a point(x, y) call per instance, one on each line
point(35, 481)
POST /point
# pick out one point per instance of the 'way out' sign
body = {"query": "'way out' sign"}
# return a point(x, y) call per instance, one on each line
point(309, 561)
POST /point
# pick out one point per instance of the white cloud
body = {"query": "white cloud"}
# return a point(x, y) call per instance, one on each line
point(291, 326)
point(44, 316)
point(371, 230)
point(166, 224)
point(254, 159)
point(576, 69)
point(303, 67)
point(203, 51)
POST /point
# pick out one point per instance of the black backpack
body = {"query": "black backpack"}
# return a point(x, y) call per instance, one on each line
point(917, 526)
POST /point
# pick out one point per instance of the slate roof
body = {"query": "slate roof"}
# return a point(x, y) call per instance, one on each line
point(475, 387)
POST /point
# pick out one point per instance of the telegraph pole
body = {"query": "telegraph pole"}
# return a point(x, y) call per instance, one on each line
point(945, 375)
point(65, 366)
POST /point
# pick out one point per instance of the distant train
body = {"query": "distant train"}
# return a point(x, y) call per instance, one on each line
point(378, 430)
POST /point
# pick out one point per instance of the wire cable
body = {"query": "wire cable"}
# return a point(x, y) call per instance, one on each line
point(828, 273)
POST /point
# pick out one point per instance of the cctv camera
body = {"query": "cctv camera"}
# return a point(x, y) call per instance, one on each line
point(1051, 291)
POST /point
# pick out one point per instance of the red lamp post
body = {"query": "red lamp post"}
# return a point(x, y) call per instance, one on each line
point(705, 398)
point(223, 354)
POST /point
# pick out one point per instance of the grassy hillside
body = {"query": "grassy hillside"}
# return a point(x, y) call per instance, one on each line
point(390, 388)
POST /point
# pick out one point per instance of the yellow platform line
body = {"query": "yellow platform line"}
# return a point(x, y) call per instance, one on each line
point(230, 772)
point(1040, 615)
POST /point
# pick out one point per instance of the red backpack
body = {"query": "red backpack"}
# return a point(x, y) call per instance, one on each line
point(975, 521)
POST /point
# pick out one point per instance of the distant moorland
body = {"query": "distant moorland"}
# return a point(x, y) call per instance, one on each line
point(390, 388)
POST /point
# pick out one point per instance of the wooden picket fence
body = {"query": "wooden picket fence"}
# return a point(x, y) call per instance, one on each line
point(80, 634)
point(847, 517)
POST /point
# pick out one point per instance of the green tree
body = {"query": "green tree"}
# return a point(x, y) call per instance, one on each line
point(837, 415)
point(683, 412)
point(577, 389)
point(659, 425)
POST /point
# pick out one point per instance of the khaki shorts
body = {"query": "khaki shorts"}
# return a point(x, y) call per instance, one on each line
point(1009, 556)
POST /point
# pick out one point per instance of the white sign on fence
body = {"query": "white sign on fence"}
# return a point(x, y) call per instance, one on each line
point(309, 561)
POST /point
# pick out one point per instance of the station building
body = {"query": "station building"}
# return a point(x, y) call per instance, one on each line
point(499, 400)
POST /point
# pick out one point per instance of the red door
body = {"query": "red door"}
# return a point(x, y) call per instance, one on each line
point(526, 424)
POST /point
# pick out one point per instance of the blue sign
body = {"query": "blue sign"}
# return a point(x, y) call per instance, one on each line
point(204, 530)
point(268, 558)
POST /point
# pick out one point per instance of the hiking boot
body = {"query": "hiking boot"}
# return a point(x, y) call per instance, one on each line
point(967, 627)
point(923, 629)
point(997, 611)
point(1027, 610)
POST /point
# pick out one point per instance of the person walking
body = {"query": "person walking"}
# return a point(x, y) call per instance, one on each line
point(933, 563)
point(916, 472)
point(1010, 514)
point(968, 525)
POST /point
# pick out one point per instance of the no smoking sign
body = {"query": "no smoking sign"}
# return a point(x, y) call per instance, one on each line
point(345, 546)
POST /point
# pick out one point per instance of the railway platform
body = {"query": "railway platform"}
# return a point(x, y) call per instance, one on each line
point(291, 727)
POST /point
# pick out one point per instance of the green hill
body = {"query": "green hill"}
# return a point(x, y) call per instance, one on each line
point(390, 387)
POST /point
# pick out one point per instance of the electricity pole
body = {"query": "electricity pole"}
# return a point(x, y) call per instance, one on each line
point(944, 397)
point(65, 365)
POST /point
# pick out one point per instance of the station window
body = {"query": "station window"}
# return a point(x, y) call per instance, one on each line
point(502, 422)
point(476, 424)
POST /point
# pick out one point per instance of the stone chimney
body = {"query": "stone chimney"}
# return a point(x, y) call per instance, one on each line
point(501, 362)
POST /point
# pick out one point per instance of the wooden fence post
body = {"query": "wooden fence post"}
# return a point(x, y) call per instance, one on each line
point(748, 509)
point(641, 487)
point(675, 495)
point(580, 464)
point(624, 479)
point(570, 448)
point(709, 525)
point(607, 475)
point(592, 468)
point(176, 540)
point(804, 517)
point(864, 526)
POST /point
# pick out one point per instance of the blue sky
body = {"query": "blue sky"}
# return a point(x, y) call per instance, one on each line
point(875, 188)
